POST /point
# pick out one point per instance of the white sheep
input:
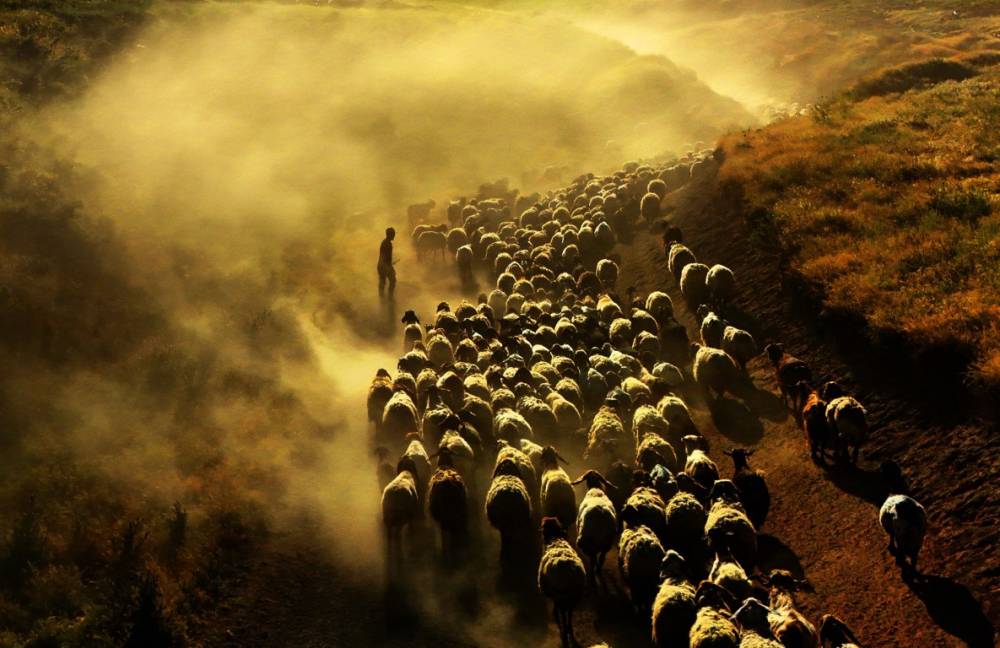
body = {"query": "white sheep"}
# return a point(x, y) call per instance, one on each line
point(685, 523)
point(847, 420)
point(447, 504)
point(660, 306)
point(674, 608)
point(678, 258)
point(670, 374)
point(596, 521)
point(693, 283)
point(561, 576)
point(698, 465)
point(400, 505)
point(721, 284)
point(728, 519)
point(557, 496)
point(712, 627)
point(904, 520)
point(740, 345)
point(379, 393)
point(640, 554)
point(715, 370)
point(712, 328)
point(399, 417)
point(508, 505)
point(607, 425)
point(607, 272)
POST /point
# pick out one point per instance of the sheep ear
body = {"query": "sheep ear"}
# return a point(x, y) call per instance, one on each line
point(750, 452)
point(560, 458)
point(578, 480)
point(728, 453)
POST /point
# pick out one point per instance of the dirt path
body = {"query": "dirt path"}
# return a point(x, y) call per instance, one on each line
point(825, 522)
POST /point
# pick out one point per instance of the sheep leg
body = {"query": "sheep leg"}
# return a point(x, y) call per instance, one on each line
point(854, 454)
point(571, 640)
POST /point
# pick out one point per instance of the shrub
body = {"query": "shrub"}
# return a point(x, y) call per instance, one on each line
point(910, 76)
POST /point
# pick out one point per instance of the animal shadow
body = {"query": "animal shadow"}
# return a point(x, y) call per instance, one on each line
point(772, 554)
point(954, 610)
point(868, 485)
point(735, 420)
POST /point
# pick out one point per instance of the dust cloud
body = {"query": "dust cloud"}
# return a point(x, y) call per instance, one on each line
point(225, 181)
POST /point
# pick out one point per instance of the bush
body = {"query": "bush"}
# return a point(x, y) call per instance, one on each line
point(910, 76)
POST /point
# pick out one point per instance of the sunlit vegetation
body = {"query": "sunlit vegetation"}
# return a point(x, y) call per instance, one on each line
point(887, 200)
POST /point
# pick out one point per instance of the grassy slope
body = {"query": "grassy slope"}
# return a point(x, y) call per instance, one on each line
point(888, 203)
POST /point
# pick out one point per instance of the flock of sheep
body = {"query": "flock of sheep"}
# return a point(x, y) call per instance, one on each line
point(553, 362)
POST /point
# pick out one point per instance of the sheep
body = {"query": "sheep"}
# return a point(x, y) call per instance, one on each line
point(720, 284)
point(646, 343)
point(693, 283)
point(714, 370)
point(419, 212)
point(649, 207)
point(678, 258)
point(712, 327)
point(637, 390)
point(457, 238)
point(508, 505)
point(539, 416)
point(414, 360)
point(596, 521)
point(606, 425)
point(607, 273)
point(432, 242)
point(669, 374)
point(379, 394)
point(904, 520)
point(608, 309)
point(568, 417)
point(440, 351)
point(678, 417)
point(399, 417)
point(847, 421)
point(534, 453)
point(510, 425)
point(412, 331)
point(400, 505)
point(557, 495)
point(726, 571)
point(834, 633)
point(752, 487)
point(674, 608)
point(739, 344)
point(698, 465)
point(728, 519)
point(461, 456)
point(525, 467)
point(620, 333)
point(561, 576)
point(652, 450)
point(814, 420)
point(753, 623)
point(645, 507)
point(605, 237)
point(788, 371)
point(640, 554)
point(447, 505)
point(659, 305)
point(788, 625)
point(712, 627)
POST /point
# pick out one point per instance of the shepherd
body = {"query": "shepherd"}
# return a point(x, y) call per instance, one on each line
point(386, 271)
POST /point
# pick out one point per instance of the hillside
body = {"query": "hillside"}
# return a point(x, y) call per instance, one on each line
point(191, 194)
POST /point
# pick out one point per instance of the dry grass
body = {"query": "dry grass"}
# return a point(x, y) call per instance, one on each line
point(890, 204)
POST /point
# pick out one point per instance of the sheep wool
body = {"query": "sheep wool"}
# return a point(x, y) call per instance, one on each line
point(639, 556)
point(399, 417)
